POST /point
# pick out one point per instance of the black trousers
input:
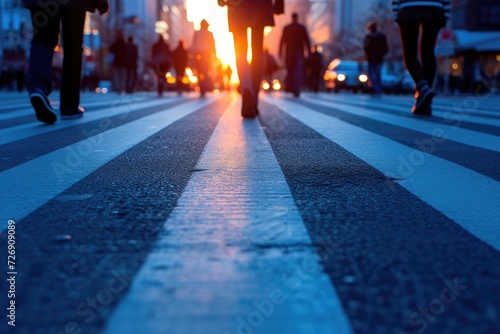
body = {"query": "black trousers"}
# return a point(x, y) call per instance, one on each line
point(46, 27)
point(427, 30)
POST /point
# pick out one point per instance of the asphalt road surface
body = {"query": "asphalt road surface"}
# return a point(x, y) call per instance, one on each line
point(331, 213)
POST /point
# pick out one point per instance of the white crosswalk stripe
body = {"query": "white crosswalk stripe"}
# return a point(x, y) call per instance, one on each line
point(223, 260)
point(450, 131)
point(49, 175)
point(469, 198)
point(246, 181)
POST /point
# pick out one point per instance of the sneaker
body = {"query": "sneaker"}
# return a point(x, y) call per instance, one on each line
point(73, 114)
point(44, 111)
point(423, 102)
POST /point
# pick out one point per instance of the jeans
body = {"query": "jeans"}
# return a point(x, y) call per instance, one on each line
point(45, 38)
point(375, 74)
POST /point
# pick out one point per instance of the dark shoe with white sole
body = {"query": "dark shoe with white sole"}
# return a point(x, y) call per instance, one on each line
point(44, 111)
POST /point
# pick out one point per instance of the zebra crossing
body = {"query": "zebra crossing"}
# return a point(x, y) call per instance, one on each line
point(275, 224)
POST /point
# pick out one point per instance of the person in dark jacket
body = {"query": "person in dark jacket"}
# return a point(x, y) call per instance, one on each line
point(428, 17)
point(375, 46)
point(161, 60)
point(254, 14)
point(119, 51)
point(47, 21)
point(131, 58)
point(180, 57)
point(295, 40)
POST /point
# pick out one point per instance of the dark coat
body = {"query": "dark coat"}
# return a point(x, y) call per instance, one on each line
point(375, 46)
point(294, 38)
point(88, 5)
point(252, 13)
point(119, 51)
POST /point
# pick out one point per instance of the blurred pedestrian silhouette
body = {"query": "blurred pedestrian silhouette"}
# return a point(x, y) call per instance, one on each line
point(161, 59)
point(203, 48)
point(254, 14)
point(270, 66)
point(71, 17)
point(118, 51)
point(314, 65)
point(427, 17)
point(227, 74)
point(375, 46)
point(131, 58)
point(180, 57)
point(294, 39)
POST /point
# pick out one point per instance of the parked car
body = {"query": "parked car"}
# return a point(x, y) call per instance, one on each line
point(347, 74)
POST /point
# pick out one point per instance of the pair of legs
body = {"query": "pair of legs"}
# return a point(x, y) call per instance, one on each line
point(46, 35)
point(295, 72)
point(424, 69)
point(250, 74)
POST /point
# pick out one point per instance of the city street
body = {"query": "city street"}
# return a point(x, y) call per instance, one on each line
point(328, 213)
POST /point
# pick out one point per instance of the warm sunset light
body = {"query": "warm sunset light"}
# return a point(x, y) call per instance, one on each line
point(216, 16)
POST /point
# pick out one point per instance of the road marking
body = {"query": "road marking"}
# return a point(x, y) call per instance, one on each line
point(470, 199)
point(32, 184)
point(233, 243)
point(32, 129)
point(464, 136)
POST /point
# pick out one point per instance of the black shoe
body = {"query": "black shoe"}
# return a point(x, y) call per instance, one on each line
point(72, 114)
point(44, 111)
point(247, 105)
point(423, 102)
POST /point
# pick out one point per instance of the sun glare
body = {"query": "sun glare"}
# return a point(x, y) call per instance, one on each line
point(216, 16)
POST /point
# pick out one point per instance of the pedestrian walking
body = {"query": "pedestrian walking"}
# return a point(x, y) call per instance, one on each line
point(204, 52)
point(162, 60)
point(294, 39)
point(375, 46)
point(254, 14)
point(131, 58)
point(180, 56)
point(71, 17)
point(119, 63)
point(428, 17)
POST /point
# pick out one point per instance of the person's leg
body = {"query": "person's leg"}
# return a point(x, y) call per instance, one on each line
point(72, 36)
point(240, 49)
point(430, 30)
point(257, 61)
point(409, 30)
point(299, 73)
point(244, 73)
point(409, 35)
point(290, 75)
point(45, 38)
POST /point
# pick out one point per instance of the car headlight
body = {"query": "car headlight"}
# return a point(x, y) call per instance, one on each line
point(341, 77)
point(363, 78)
